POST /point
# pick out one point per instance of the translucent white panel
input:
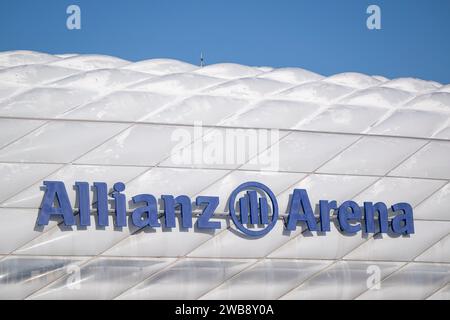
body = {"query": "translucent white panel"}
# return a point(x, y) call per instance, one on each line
point(305, 152)
point(44, 102)
point(436, 207)
point(443, 134)
point(139, 145)
point(34, 74)
point(314, 245)
point(274, 114)
point(9, 89)
point(50, 142)
point(224, 148)
point(102, 278)
point(103, 80)
point(377, 97)
point(14, 177)
point(91, 96)
point(22, 276)
point(291, 75)
point(265, 68)
point(208, 110)
point(381, 78)
point(394, 190)
point(430, 162)
point(276, 181)
point(412, 85)
point(13, 129)
point(187, 279)
point(228, 71)
point(326, 187)
point(372, 155)
point(232, 244)
point(164, 242)
point(179, 83)
point(439, 252)
point(340, 118)
point(17, 227)
point(353, 80)
point(343, 280)
point(21, 57)
point(248, 87)
point(65, 55)
point(268, 279)
point(32, 196)
point(77, 241)
point(91, 62)
point(411, 123)
point(401, 248)
point(159, 181)
point(431, 101)
point(318, 92)
point(122, 106)
point(161, 66)
point(414, 281)
point(443, 294)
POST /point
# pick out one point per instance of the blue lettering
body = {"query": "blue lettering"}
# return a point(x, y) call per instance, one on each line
point(254, 210)
point(345, 216)
point(83, 203)
point(146, 215)
point(403, 223)
point(325, 208)
point(120, 204)
point(101, 190)
point(300, 203)
point(169, 210)
point(211, 205)
point(369, 211)
point(55, 194)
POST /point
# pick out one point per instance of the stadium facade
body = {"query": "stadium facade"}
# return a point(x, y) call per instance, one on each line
point(99, 119)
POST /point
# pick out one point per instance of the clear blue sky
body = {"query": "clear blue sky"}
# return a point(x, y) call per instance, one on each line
point(324, 36)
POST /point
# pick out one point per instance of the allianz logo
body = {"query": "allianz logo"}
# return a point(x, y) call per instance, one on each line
point(252, 206)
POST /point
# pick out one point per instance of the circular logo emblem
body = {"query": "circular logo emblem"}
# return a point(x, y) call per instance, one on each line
point(253, 208)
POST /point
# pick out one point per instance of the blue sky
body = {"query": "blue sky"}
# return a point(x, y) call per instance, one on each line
point(325, 36)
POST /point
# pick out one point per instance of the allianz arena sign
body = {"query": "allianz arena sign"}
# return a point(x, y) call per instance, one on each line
point(252, 207)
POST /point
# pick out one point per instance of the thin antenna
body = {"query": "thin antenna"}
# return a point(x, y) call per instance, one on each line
point(201, 60)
